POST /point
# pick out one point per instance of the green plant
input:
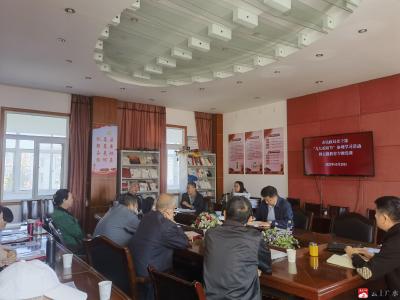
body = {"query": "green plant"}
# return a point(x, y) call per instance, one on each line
point(280, 238)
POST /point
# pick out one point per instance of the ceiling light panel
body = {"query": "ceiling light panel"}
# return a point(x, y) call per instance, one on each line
point(169, 42)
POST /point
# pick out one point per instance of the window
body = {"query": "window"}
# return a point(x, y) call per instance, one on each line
point(35, 152)
point(176, 138)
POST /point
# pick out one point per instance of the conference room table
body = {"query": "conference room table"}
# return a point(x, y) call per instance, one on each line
point(84, 277)
point(309, 278)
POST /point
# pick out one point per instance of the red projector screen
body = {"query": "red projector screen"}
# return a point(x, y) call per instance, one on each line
point(348, 154)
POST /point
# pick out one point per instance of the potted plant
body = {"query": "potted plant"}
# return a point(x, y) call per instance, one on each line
point(280, 238)
point(206, 221)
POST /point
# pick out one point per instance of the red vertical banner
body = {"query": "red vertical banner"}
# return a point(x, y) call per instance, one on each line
point(273, 151)
point(236, 153)
point(104, 150)
point(253, 142)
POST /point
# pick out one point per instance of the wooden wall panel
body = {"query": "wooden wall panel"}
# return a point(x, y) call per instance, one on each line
point(218, 149)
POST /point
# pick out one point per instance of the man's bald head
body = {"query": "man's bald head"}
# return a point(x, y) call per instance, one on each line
point(165, 201)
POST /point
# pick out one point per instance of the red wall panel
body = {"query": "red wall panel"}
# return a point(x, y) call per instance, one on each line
point(368, 106)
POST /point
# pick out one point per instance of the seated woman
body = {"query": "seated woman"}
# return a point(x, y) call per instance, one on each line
point(239, 190)
point(66, 222)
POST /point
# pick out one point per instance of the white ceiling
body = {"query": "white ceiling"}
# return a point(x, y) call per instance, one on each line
point(31, 56)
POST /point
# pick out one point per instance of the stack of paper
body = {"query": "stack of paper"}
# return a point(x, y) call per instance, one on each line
point(341, 260)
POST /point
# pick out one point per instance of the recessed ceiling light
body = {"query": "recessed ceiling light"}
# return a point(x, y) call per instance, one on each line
point(88, 77)
point(163, 91)
point(319, 81)
point(257, 98)
point(239, 82)
point(319, 55)
point(122, 89)
point(277, 72)
point(152, 99)
point(213, 108)
point(68, 61)
point(69, 10)
point(202, 89)
point(362, 30)
point(68, 86)
point(135, 20)
point(61, 40)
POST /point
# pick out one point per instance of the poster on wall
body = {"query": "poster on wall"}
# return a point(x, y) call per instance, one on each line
point(192, 142)
point(273, 151)
point(253, 163)
point(236, 153)
point(104, 150)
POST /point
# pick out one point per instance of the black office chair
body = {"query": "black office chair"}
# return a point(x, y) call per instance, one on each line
point(115, 263)
point(169, 287)
point(379, 232)
point(302, 219)
point(294, 202)
point(355, 227)
point(55, 232)
point(334, 211)
point(313, 207)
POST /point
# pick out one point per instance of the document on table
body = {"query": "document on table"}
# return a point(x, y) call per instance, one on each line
point(340, 260)
point(275, 254)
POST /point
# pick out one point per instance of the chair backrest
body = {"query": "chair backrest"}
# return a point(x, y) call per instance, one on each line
point(56, 233)
point(354, 226)
point(334, 211)
point(294, 202)
point(147, 204)
point(371, 214)
point(169, 287)
point(379, 232)
point(185, 218)
point(302, 219)
point(113, 262)
point(313, 207)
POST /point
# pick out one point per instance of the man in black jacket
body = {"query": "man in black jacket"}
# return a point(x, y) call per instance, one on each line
point(193, 199)
point(155, 240)
point(387, 262)
point(233, 254)
point(274, 209)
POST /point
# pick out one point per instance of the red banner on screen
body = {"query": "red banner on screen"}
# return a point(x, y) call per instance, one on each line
point(349, 154)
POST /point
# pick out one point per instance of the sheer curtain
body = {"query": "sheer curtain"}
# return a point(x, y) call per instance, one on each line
point(204, 128)
point(143, 127)
point(78, 157)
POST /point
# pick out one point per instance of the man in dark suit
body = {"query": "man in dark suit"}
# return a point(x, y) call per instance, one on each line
point(155, 240)
point(193, 199)
point(233, 254)
point(274, 210)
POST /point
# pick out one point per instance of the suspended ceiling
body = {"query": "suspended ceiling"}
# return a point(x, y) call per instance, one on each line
point(32, 54)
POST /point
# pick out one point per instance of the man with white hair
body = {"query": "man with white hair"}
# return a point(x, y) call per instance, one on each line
point(155, 240)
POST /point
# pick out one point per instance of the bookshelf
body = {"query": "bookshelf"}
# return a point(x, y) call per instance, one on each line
point(139, 167)
point(201, 170)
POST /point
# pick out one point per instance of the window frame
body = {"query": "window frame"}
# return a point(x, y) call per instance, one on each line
point(37, 141)
point(177, 147)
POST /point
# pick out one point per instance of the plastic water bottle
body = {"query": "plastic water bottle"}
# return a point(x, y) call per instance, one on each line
point(51, 251)
point(289, 226)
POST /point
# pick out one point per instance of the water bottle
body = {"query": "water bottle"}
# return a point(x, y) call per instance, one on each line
point(51, 251)
point(289, 226)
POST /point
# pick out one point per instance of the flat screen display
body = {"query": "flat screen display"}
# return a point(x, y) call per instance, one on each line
point(348, 154)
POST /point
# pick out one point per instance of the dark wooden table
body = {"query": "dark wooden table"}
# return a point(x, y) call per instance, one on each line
point(310, 278)
point(83, 275)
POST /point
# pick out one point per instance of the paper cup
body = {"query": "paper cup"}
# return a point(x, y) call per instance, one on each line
point(291, 253)
point(67, 261)
point(292, 268)
point(105, 289)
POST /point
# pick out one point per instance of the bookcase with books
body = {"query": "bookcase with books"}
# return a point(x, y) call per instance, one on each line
point(201, 170)
point(139, 167)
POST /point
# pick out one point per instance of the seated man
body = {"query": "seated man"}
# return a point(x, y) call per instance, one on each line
point(155, 240)
point(386, 263)
point(233, 253)
point(119, 224)
point(134, 190)
point(193, 199)
point(7, 256)
point(273, 209)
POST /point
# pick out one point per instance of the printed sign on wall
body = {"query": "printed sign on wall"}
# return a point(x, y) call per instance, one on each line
point(253, 163)
point(104, 150)
point(273, 147)
point(236, 153)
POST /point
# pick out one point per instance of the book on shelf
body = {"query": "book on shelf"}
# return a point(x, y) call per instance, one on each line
point(125, 160)
point(153, 173)
point(124, 185)
point(145, 173)
point(134, 159)
point(136, 173)
point(143, 186)
point(126, 173)
point(153, 186)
